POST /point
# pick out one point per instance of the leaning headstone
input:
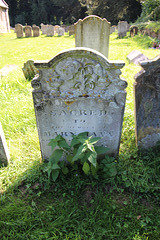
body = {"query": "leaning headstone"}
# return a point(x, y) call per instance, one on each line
point(71, 30)
point(61, 31)
point(28, 31)
point(29, 70)
point(123, 27)
point(4, 153)
point(136, 57)
point(50, 30)
point(93, 32)
point(36, 31)
point(79, 90)
point(19, 30)
point(147, 104)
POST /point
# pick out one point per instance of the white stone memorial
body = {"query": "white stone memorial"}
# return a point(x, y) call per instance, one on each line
point(93, 32)
point(79, 90)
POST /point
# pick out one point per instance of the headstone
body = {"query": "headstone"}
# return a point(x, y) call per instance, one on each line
point(66, 28)
point(79, 90)
point(28, 31)
point(44, 28)
point(19, 30)
point(50, 30)
point(71, 30)
point(29, 70)
point(56, 27)
point(112, 29)
point(61, 31)
point(123, 27)
point(93, 32)
point(4, 154)
point(136, 57)
point(133, 31)
point(36, 31)
point(147, 104)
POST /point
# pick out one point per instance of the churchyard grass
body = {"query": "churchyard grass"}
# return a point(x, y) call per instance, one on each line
point(76, 206)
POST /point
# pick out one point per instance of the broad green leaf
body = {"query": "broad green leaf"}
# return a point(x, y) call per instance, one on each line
point(69, 158)
point(49, 172)
point(74, 142)
point(53, 144)
point(80, 150)
point(93, 158)
point(65, 170)
point(55, 174)
point(59, 138)
point(82, 135)
point(94, 169)
point(57, 154)
point(55, 166)
point(100, 149)
point(94, 140)
point(63, 144)
point(86, 168)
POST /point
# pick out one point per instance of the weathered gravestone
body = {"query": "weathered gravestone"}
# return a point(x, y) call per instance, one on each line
point(36, 31)
point(44, 28)
point(71, 30)
point(93, 32)
point(147, 103)
point(29, 70)
point(123, 27)
point(136, 57)
point(56, 27)
point(79, 90)
point(61, 31)
point(19, 30)
point(4, 154)
point(50, 30)
point(28, 31)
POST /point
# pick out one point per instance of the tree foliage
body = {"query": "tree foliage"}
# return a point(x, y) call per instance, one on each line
point(150, 10)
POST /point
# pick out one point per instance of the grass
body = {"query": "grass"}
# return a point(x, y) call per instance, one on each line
point(76, 206)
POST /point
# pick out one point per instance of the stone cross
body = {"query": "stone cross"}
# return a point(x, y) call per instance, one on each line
point(4, 154)
point(79, 90)
point(147, 103)
point(93, 32)
point(19, 30)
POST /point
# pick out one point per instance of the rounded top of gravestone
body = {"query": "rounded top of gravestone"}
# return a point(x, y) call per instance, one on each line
point(92, 18)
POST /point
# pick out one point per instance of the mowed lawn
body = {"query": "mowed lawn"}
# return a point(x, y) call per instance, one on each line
point(76, 206)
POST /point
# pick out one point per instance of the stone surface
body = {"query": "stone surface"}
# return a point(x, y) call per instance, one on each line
point(56, 27)
point(93, 32)
point(79, 90)
point(50, 30)
point(123, 27)
point(7, 69)
point(29, 70)
point(44, 28)
point(19, 30)
point(71, 30)
point(4, 154)
point(136, 57)
point(61, 31)
point(28, 31)
point(36, 31)
point(147, 103)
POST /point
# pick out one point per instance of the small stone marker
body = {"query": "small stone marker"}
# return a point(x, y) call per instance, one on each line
point(61, 31)
point(71, 30)
point(4, 154)
point(93, 32)
point(28, 31)
point(29, 70)
point(79, 90)
point(50, 30)
point(19, 30)
point(123, 27)
point(136, 57)
point(147, 103)
point(36, 31)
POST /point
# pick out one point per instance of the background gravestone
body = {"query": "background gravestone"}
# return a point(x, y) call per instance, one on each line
point(44, 28)
point(61, 31)
point(4, 154)
point(50, 30)
point(19, 30)
point(71, 30)
point(123, 28)
point(93, 32)
point(56, 27)
point(147, 103)
point(79, 90)
point(28, 31)
point(36, 31)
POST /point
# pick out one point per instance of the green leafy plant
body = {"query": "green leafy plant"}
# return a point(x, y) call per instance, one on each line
point(81, 150)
